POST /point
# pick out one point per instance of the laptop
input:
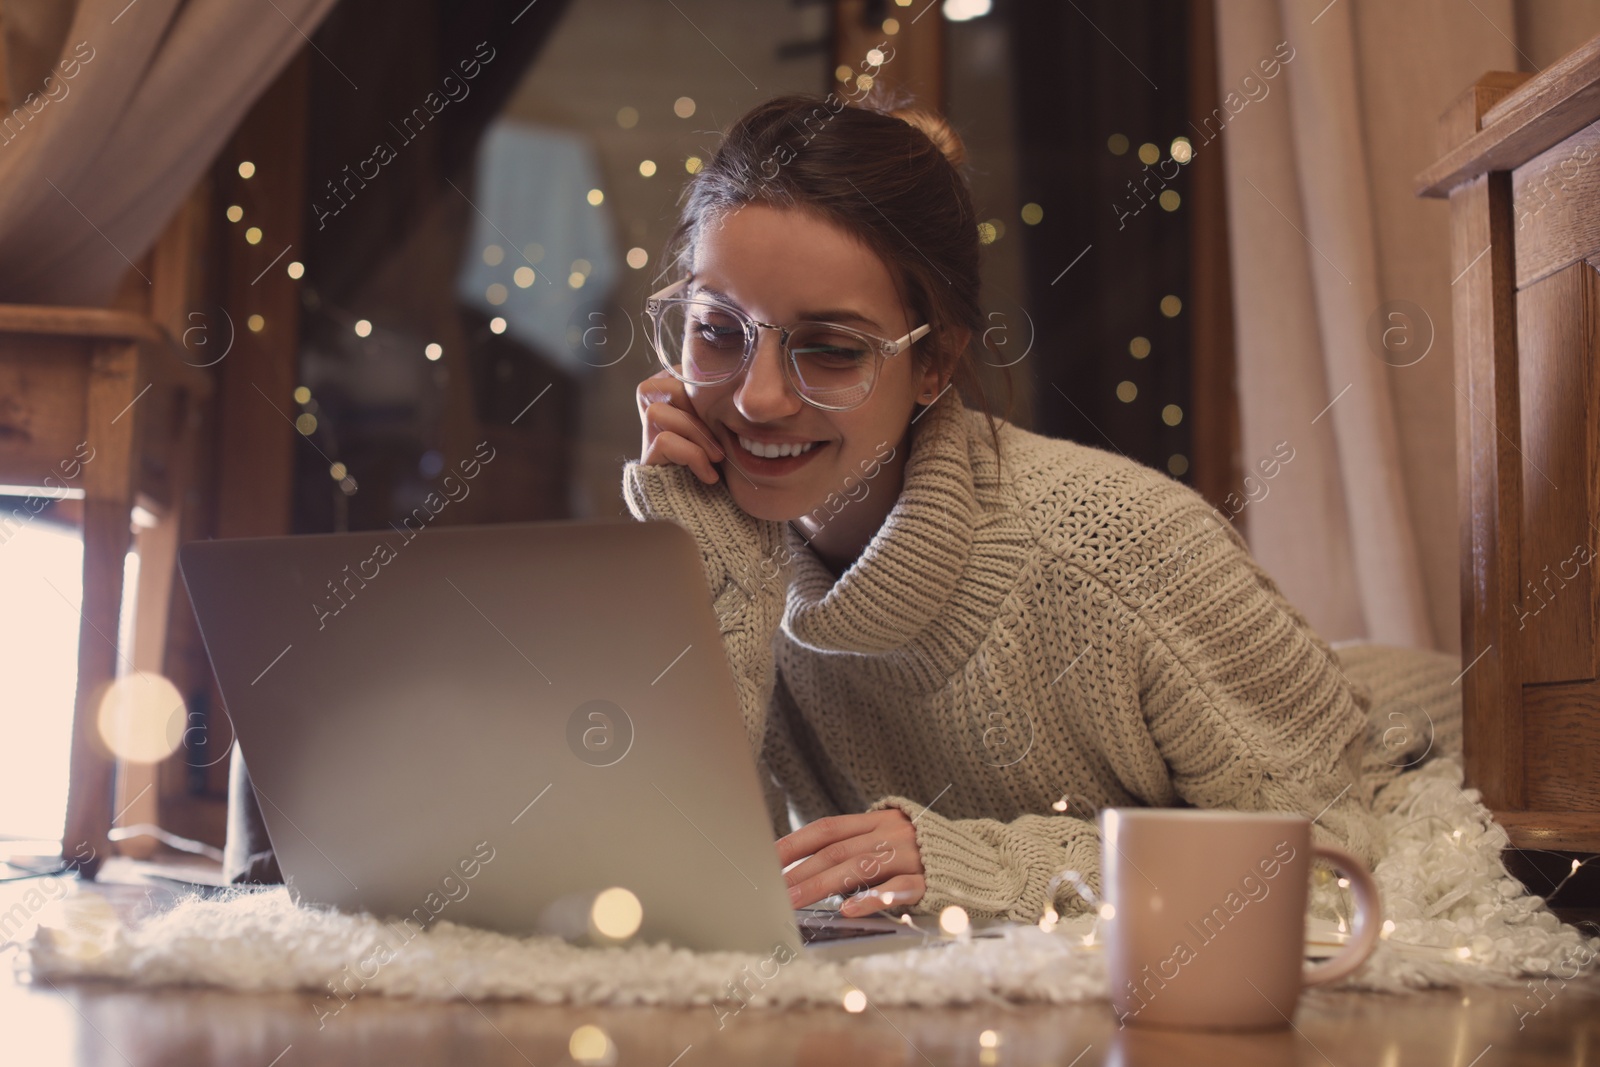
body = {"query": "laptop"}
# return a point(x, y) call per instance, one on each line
point(505, 727)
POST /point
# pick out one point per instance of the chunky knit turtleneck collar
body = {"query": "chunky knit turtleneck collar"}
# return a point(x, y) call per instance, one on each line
point(925, 588)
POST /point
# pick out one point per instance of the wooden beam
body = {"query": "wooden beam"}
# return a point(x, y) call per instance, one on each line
point(1489, 485)
point(1523, 123)
point(255, 413)
point(1214, 395)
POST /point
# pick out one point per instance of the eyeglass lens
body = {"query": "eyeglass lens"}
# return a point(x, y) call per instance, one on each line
point(709, 343)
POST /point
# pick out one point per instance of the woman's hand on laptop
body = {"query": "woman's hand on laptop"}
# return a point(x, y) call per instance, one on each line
point(871, 859)
point(673, 433)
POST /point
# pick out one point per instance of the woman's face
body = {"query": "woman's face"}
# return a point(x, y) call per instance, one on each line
point(782, 265)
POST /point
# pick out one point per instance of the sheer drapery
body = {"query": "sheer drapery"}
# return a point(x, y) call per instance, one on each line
point(1342, 291)
point(113, 111)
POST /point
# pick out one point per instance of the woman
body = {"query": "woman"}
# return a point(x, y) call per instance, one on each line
point(953, 640)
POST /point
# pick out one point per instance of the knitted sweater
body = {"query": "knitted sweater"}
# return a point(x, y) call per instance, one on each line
point(1021, 644)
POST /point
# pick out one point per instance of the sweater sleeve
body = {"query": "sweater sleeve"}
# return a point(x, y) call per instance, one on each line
point(1003, 870)
point(1249, 707)
point(744, 559)
point(1217, 694)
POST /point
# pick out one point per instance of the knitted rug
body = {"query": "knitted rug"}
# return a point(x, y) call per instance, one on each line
point(1458, 919)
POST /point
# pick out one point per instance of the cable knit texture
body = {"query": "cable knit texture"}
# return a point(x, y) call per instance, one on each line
point(1021, 644)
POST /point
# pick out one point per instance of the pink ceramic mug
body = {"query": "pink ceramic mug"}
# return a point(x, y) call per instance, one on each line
point(1204, 916)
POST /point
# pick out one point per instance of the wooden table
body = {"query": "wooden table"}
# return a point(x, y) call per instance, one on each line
point(103, 1024)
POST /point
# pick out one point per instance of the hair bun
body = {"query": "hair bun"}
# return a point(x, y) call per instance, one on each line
point(937, 130)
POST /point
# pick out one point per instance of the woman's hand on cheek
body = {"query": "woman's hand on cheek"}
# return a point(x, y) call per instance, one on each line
point(871, 859)
point(673, 433)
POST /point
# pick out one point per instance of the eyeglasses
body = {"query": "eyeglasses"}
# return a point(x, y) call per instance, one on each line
point(702, 341)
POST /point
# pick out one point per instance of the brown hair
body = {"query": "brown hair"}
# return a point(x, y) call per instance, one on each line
point(885, 171)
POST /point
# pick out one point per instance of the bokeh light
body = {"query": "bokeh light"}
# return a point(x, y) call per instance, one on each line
point(591, 1045)
point(142, 717)
point(616, 913)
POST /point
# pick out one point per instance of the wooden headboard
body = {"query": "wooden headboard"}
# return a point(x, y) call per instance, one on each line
point(1520, 165)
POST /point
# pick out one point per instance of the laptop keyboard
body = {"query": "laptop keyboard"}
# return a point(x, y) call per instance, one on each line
point(813, 932)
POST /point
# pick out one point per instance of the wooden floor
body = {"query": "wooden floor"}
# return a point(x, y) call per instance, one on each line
point(103, 1024)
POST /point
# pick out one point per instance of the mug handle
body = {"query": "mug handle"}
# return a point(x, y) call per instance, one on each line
point(1369, 917)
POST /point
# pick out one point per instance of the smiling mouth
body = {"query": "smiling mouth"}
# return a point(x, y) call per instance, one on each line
point(774, 451)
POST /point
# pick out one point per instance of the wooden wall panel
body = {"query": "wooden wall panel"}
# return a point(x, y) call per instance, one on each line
point(1554, 591)
point(1563, 723)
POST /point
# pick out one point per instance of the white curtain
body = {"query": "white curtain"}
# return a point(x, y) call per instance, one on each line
point(114, 111)
point(1331, 249)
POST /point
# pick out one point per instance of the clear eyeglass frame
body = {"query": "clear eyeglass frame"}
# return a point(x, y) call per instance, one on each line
point(884, 348)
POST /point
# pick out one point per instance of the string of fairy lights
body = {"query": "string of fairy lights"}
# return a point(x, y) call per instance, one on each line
point(1180, 151)
point(523, 276)
point(527, 272)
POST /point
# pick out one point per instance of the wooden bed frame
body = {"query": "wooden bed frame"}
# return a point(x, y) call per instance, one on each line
point(1520, 165)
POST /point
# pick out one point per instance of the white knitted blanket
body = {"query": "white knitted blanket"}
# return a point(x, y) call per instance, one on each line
point(1459, 919)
